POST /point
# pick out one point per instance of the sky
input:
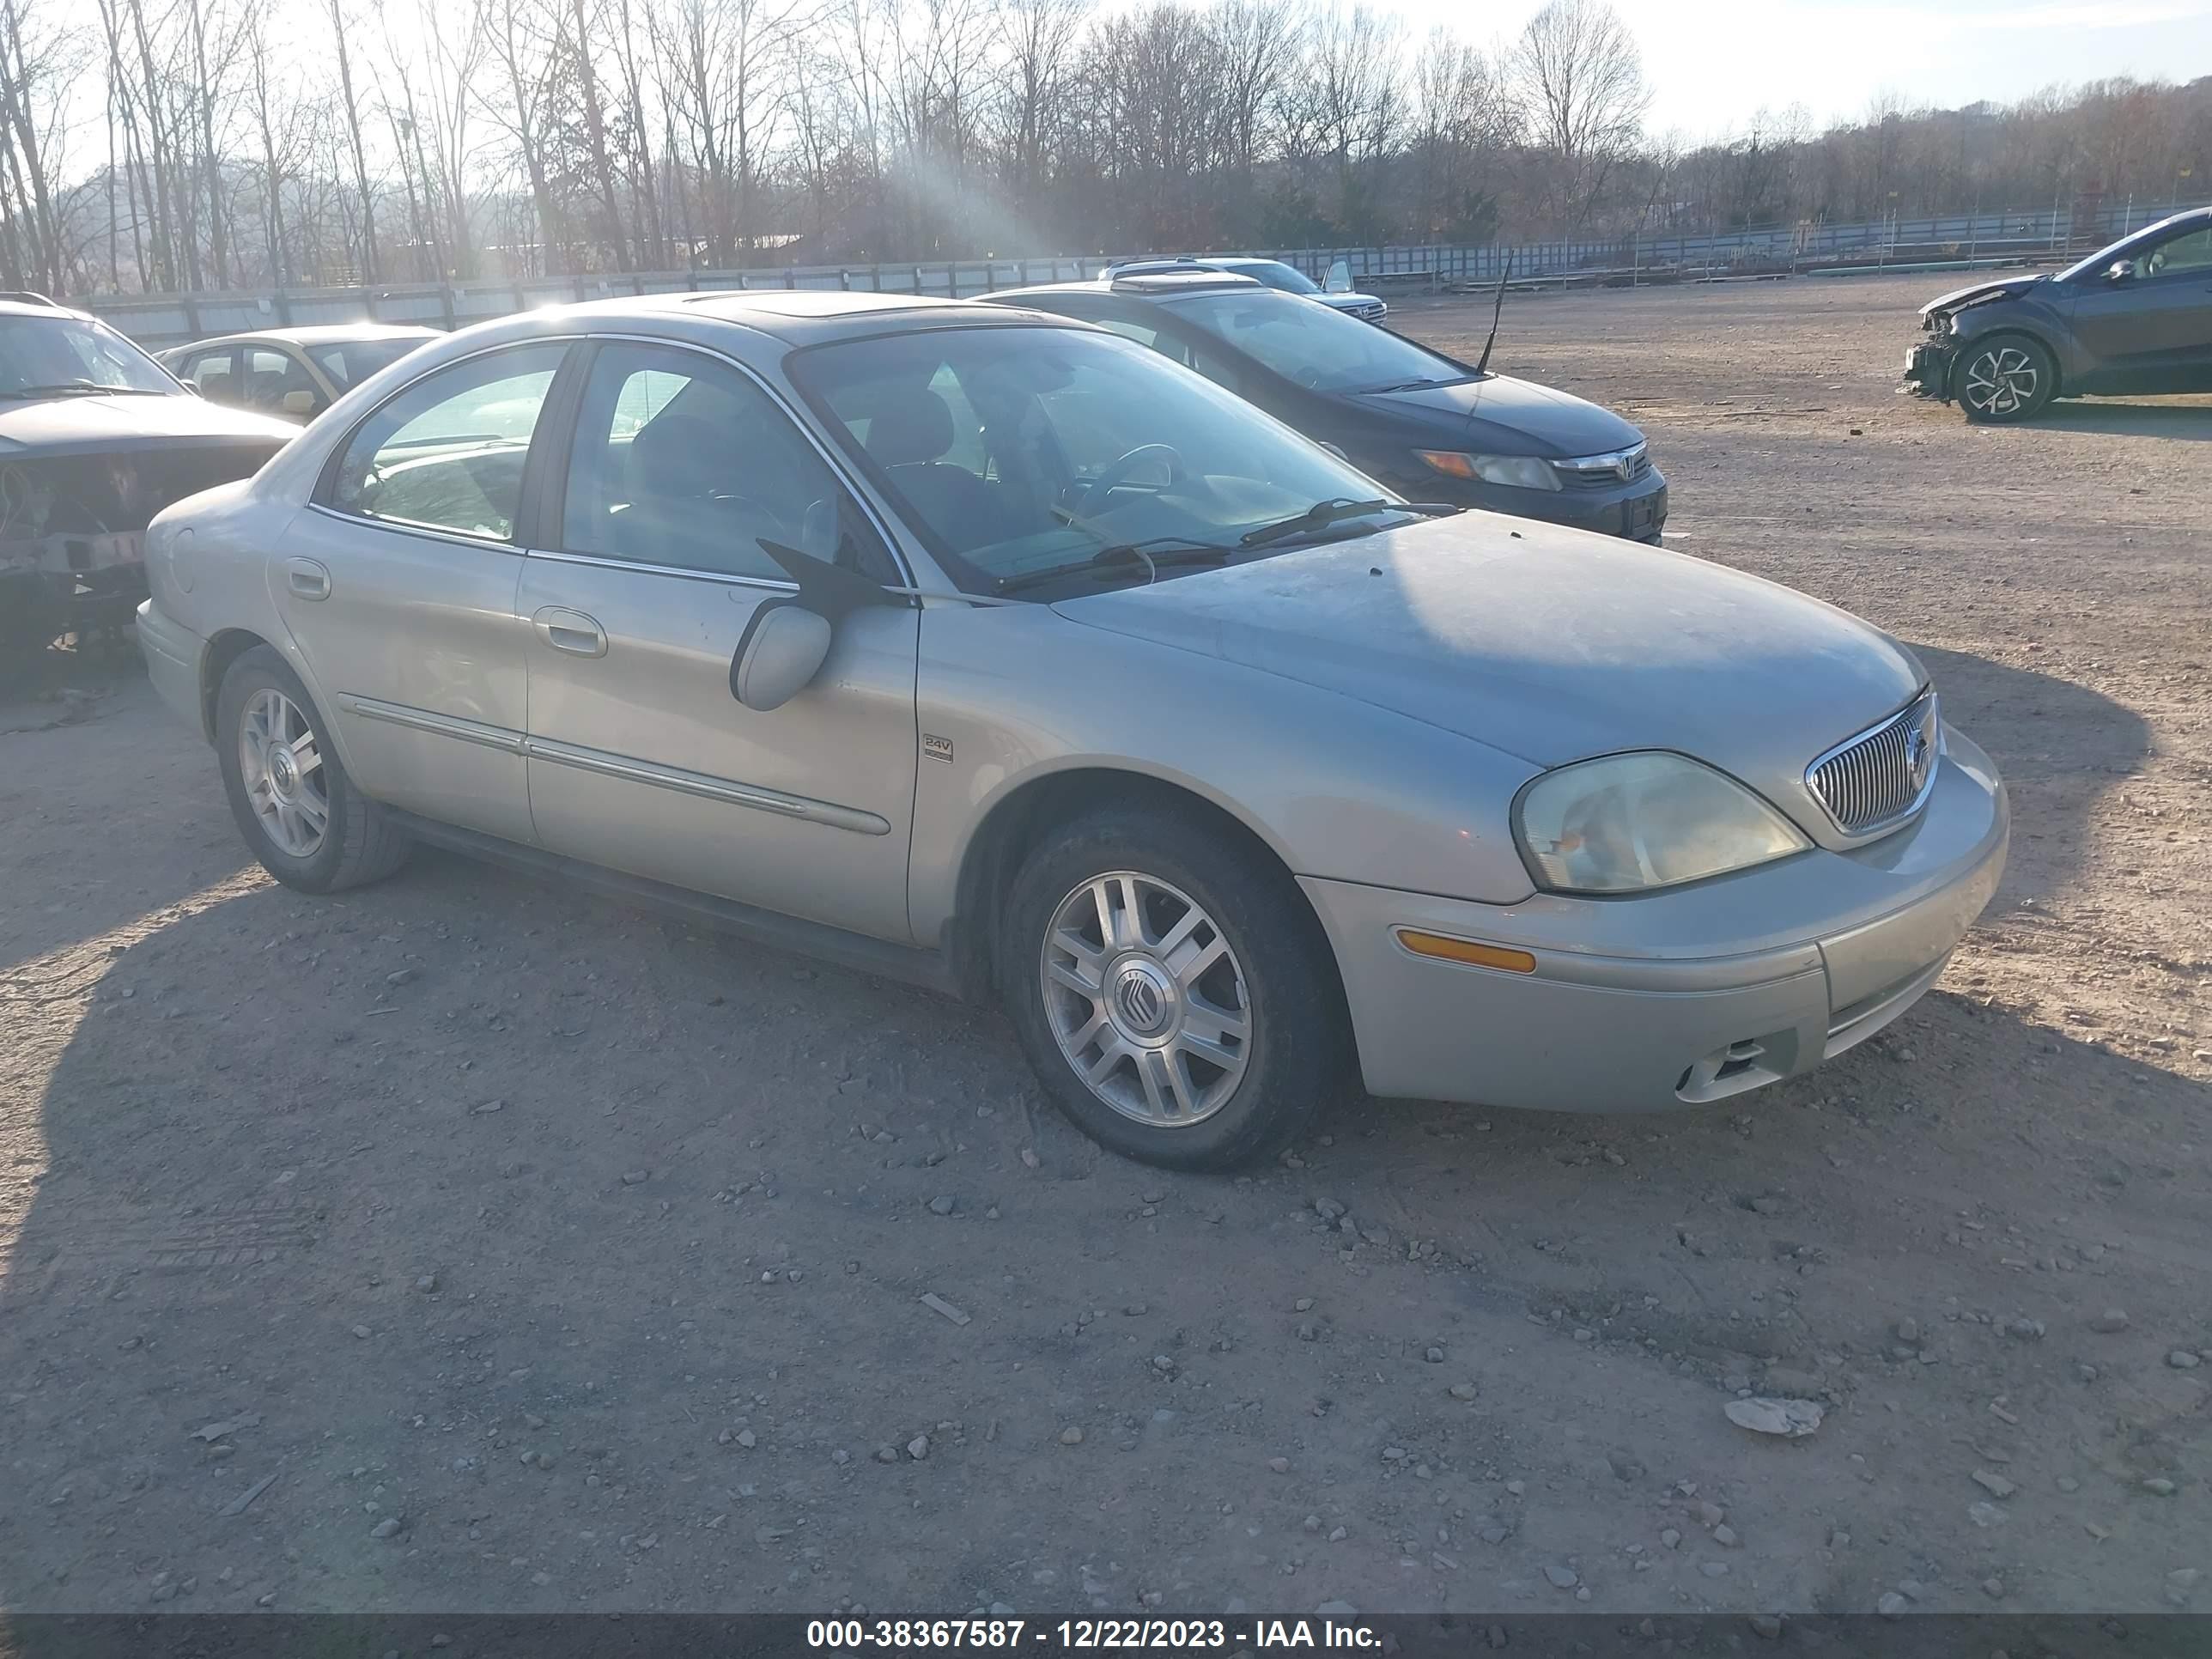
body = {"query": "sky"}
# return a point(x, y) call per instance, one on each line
point(1713, 63)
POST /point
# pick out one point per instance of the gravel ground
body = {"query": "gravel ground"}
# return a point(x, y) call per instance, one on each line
point(462, 1245)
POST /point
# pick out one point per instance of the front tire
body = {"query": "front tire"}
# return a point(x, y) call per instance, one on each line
point(294, 803)
point(1172, 991)
point(2005, 378)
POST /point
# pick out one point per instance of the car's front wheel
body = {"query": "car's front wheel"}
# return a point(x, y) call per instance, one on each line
point(297, 808)
point(2008, 377)
point(1171, 989)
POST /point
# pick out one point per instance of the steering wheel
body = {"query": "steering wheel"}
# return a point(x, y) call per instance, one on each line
point(1094, 498)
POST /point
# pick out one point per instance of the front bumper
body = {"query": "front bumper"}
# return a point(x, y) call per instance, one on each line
point(1928, 369)
point(1675, 997)
point(173, 653)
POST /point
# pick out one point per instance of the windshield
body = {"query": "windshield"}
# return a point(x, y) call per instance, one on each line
point(1018, 452)
point(1277, 274)
point(59, 354)
point(1316, 346)
point(351, 362)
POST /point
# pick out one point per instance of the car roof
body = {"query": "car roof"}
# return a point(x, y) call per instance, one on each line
point(315, 334)
point(1141, 285)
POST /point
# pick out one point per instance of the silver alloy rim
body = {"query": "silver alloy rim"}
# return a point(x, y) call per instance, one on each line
point(1146, 999)
point(282, 767)
point(2002, 381)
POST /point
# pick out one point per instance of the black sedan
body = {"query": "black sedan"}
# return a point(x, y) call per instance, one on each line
point(1429, 426)
point(2133, 317)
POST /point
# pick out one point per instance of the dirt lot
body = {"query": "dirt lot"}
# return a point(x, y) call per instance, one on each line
point(461, 1244)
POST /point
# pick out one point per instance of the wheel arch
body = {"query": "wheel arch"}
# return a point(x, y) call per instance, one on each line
point(1032, 809)
point(225, 647)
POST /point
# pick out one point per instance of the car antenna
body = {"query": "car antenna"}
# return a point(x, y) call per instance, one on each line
point(1483, 367)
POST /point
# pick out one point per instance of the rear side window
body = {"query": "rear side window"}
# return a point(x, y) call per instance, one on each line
point(447, 452)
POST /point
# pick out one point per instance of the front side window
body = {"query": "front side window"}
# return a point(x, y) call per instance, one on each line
point(447, 452)
point(276, 383)
point(679, 460)
point(55, 357)
point(1021, 452)
point(2188, 255)
point(1315, 345)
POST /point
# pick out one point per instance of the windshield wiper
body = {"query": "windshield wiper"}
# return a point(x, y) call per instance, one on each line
point(1321, 515)
point(1183, 552)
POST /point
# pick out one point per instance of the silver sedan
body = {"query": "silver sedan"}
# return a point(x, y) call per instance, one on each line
point(995, 652)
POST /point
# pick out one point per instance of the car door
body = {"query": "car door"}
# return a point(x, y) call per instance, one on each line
point(398, 583)
point(2151, 328)
point(637, 590)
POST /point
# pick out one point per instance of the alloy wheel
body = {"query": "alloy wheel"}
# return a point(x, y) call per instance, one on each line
point(2002, 381)
point(1147, 999)
point(281, 763)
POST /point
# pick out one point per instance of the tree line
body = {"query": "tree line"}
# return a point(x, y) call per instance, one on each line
point(203, 144)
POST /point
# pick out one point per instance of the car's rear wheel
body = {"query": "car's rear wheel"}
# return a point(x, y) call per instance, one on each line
point(297, 808)
point(1171, 989)
point(2007, 377)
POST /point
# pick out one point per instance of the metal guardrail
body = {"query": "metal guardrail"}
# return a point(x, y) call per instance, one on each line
point(175, 318)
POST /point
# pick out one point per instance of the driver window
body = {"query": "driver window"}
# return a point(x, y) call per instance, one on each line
point(679, 460)
point(2188, 254)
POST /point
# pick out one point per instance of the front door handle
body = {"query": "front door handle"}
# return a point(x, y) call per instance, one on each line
point(571, 631)
point(306, 579)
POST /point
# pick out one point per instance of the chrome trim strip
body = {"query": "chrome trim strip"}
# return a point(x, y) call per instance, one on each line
point(705, 789)
point(400, 527)
point(442, 725)
point(1925, 697)
point(725, 579)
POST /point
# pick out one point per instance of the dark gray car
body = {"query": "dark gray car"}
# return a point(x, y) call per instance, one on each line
point(2133, 317)
point(1429, 426)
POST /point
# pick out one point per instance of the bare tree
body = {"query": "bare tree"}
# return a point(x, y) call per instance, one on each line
point(1582, 80)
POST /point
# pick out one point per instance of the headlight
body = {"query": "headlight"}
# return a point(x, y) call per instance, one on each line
point(1629, 823)
point(1521, 471)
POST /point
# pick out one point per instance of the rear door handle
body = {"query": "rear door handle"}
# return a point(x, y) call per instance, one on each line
point(306, 579)
point(571, 631)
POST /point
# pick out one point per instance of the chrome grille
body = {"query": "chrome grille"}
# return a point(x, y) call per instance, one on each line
point(1879, 778)
point(1604, 471)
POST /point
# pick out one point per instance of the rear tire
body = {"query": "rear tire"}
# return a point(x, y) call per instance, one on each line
point(2005, 378)
point(289, 791)
point(1188, 979)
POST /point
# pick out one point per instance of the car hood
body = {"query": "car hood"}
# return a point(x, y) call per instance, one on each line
point(2004, 288)
point(1549, 644)
point(1504, 416)
point(77, 426)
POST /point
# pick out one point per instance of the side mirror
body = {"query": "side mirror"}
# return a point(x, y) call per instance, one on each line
point(1340, 277)
point(786, 643)
point(190, 385)
point(2119, 271)
point(781, 651)
point(301, 402)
